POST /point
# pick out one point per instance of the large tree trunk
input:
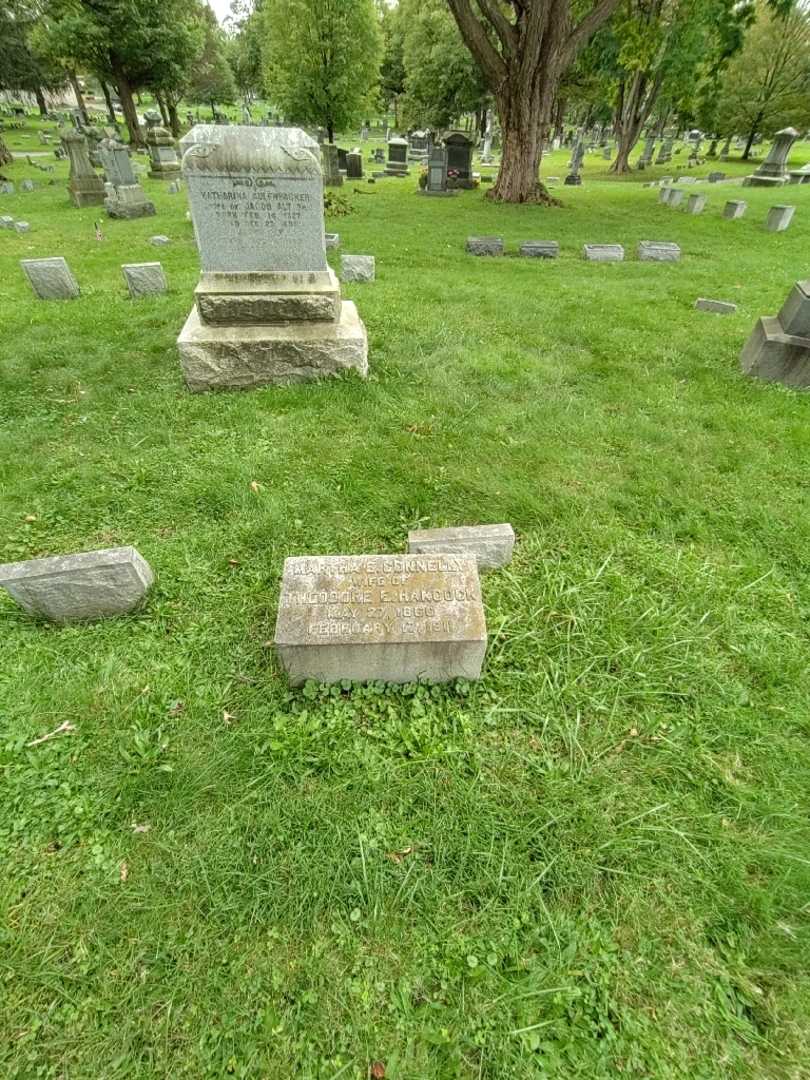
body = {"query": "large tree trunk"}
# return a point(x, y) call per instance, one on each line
point(174, 120)
point(636, 105)
point(6, 157)
point(41, 103)
point(750, 141)
point(521, 150)
point(161, 104)
point(108, 99)
point(77, 90)
point(128, 108)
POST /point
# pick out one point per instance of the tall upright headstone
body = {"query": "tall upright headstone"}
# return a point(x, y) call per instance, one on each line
point(647, 153)
point(85, 187)
point(163, 161)
point(127, 198)
point(268, 307)
point(773, 170)
point(436, 179)
point(665, 153)
point(330, 162)
point(573, 179)
point(459, 159)
point(778, 349)
point(397, 163)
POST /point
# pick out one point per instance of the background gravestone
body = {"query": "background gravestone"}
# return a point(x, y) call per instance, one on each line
point(51, 279)
point(144, 279)
point(84, 186)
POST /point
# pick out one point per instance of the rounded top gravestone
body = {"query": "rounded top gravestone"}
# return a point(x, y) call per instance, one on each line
point(256, 198)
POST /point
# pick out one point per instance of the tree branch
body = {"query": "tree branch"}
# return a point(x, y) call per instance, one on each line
point(506, 32)
point(476, 40)
point(583, 32)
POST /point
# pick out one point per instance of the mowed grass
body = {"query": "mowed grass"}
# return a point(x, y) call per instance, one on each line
point(594, 862)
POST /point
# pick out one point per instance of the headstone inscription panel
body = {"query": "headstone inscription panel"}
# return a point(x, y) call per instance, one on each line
point(395, 618)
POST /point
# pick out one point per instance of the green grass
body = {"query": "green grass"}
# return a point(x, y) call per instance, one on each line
point(592, 863)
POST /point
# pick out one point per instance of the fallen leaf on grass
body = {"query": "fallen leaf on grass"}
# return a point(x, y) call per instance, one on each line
point(398, 856)
point(377, 1070)
point(227, 717)
point(176, 708)
point(255, 486)
point(123, 872)
point(140, 828)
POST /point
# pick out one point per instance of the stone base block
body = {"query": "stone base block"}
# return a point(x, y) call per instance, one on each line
point(241, 357)
point(764, 181)
point(92, 196)
point(440, 194)
point(775, 356)
point(165, 172)
point(794, 318)
point(492, 545)
point(540, 249)
point(658, 251)
point(396, 172)
point(128, 211)
point(259, 299)
point(392, 662)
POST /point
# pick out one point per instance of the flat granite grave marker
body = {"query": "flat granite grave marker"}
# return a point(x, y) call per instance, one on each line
point(484, 245)
point(779, 217)
point(734, 208)
point(357, 267)
point(603, 252)
point(657, 251)
point(268, 308)
point(695, 204)
point(73, 588)
point(393, 618)
point(51, 279)
point(540, 249)
point(718, 307)
point(491, 545)
point(675, 197)
point(144, 279)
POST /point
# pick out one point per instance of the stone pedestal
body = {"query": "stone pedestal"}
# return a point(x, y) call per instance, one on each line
point(267, 309)
point(778, 349)
point(397, 163)
point(734, 208)
point(163, 161)
point(85, 187)
point(773, 170)
point(779, 217)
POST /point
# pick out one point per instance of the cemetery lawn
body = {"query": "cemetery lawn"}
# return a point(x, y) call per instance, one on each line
point(596, 861)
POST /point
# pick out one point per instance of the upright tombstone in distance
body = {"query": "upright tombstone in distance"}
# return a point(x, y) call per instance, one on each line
point(397, 163)
point(330, 163)
point(127, 199)
point(573, 179)
point(163, 161)
point(773, 170)
point(393, 618)
point(459, 159)
point(436, 177)
point(85, 187)
point(268, 307)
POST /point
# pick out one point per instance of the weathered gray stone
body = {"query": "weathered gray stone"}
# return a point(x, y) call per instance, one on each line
point(357, 267)
point(6, 221)
point(27, 185)
point(603, 252)
point(256, 198)
point(675, 197)
point(144, 279)
point(540, 249)
point(159, 241)
point(84, 186)
point(696, 204)
point(716, 177)
point(217, 357)
point(794, 317)
point(779, 217)
point(73, 588)
point(492, 545)
point(484, 245)
point(21, 226)
point(773, 170)
point(254, 299)
point(51, 279)
point(775, 356)
point(330, 164)
point(734, 208)
point(332, 240)
point(664, 194)
point(6, 188)
point(392, 618)
point(719, 307)
point(397, 160)
point(163, 161)
point(658, 251)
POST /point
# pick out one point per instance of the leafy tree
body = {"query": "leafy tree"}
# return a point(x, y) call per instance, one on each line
point(23, 68)
point(245, 49)
point(442, 81)
point(766, 86)
point(524, 48)
point(211, 78)
point(125, 42)
point(392, 69)
point(321, 59)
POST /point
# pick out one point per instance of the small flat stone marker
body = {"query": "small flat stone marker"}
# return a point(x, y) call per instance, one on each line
point(332, 240)
point(603, 252)
point(144, 279)
point(51, 279)
point(696, 204)
point(393, 618)
point(675, 197)
point(719, 307)
point(160, 240)
point(74, 588)
point(484, 245)
point(779, 217)
point(492, 545)
point(22, 226)
point(735, 208)
point(357, 267)
point(27, 185)
point(7, 221)
point(540, 249)
point(7, 188)
point(658, 251)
